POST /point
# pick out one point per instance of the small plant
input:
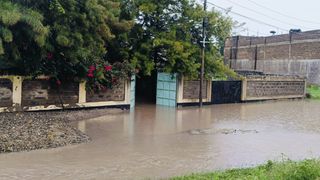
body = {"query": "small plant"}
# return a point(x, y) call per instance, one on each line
point(286, 170)
point(313, 92)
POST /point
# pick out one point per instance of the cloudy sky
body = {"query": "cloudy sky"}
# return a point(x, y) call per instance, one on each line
point(262, 16)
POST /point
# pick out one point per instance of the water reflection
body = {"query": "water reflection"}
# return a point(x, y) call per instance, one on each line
point(152, 120)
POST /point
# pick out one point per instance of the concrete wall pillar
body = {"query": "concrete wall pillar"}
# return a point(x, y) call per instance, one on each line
point(244, 90)
point(17, 91)
point(82, 92)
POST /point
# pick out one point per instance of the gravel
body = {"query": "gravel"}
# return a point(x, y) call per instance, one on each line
point(42, 130)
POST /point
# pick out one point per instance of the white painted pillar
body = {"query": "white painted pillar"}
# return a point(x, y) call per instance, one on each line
point(82, 92)
point(17, 91)
point(180, 89)
point(244, 90)
point(128, 94)
point(209, 91)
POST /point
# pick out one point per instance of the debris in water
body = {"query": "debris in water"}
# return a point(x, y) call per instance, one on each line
point(220, 131)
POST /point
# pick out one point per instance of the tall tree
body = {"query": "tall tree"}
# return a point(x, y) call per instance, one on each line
point(73, 35)
point(167, 37)
point(22, 37)
point(78, 34)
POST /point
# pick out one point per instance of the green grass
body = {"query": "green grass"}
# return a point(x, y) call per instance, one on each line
point(314, 91)
point(289, 170)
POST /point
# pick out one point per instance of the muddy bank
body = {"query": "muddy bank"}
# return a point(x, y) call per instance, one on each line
point(43, 130)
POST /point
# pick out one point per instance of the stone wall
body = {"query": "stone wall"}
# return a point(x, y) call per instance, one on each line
point(22, 93)
point(115, 94)
point(273, 87)
point(188, 91)
point(191, 89)
point(42, 92)
point(6, 92)
point(289, 54)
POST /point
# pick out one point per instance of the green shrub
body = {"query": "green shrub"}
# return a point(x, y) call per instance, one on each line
point(313, 92)
point(288, 170)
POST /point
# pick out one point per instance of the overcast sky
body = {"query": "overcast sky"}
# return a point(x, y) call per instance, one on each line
point(267, 15)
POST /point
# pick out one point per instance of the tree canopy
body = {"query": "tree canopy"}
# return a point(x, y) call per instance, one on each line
point(168, 37)
point(22, 37)
point(64, 38)
point(73, 38)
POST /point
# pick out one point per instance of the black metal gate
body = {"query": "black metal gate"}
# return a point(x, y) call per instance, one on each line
point(226, 92)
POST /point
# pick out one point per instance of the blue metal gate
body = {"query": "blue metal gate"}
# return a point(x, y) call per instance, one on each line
point(167, 90)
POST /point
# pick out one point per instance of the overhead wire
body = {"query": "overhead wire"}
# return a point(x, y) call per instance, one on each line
point(265, 15)
point(282, 14)
point(246, 17)
point(253, 33)
point(261, 22)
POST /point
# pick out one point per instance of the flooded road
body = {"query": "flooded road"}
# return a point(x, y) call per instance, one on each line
point(158, 142)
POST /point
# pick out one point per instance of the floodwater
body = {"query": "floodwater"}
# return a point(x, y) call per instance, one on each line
point(158, 142)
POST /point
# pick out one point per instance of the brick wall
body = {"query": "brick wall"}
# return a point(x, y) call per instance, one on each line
point(288, 54)
point(191, 89)
point(115, 94)
point(246, 53)
point(276, 52)
point(310, 50)
point(5, 92)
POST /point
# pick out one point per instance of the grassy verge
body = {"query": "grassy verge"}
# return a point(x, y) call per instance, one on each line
point(314, 91)
point(289, 170)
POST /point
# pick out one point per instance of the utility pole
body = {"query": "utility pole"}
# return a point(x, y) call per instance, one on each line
point(203, 52)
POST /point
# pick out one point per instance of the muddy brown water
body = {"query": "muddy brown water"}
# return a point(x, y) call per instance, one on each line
point(158, 142)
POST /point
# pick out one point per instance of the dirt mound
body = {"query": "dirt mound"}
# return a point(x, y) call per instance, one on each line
point(41, 130)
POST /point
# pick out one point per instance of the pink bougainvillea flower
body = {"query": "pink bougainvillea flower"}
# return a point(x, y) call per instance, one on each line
point(92, 68)
point(108, 68)
point(49, 55)
point(58, 82)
